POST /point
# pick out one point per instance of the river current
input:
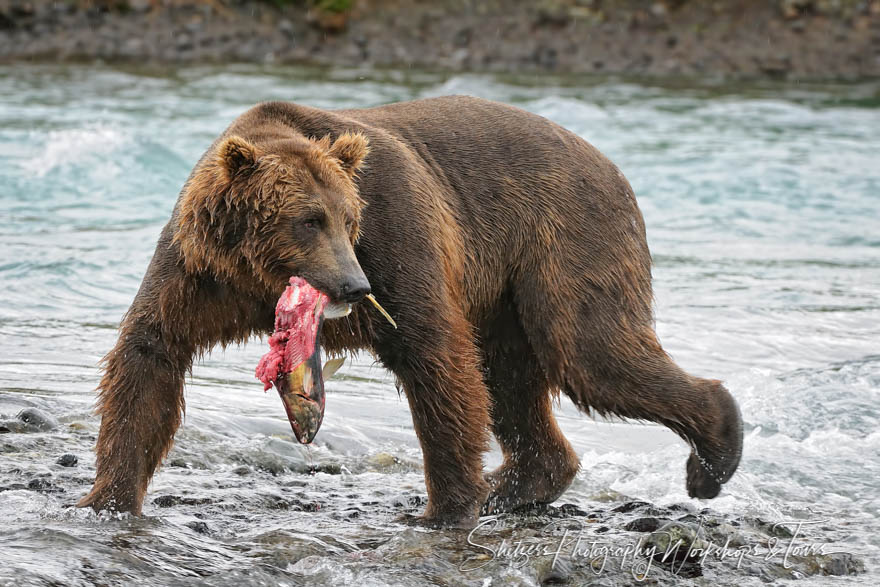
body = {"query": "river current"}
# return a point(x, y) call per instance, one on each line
point(762, 206)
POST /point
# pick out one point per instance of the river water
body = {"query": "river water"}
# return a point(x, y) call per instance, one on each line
point(762, 206)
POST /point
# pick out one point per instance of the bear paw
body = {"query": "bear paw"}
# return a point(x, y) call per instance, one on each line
point(716, 456)
point(514, 487)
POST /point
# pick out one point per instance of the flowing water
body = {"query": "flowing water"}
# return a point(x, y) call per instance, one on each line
point(762, 205)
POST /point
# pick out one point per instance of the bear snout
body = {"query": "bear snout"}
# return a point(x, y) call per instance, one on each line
point(354, 289)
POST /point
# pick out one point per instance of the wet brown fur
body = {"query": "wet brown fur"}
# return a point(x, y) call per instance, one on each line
point(510, 252)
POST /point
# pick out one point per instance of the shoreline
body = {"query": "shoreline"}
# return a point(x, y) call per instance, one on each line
point(676, 38)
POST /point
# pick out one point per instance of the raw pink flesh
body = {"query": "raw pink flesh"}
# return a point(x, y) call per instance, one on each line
point(297, 318)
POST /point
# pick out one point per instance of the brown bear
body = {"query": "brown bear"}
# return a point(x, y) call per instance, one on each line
point(510, 252)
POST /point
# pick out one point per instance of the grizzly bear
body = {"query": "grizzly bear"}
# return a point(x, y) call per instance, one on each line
point(510, 252)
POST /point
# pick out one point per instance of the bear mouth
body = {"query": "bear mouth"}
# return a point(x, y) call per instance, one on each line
point(335, 311)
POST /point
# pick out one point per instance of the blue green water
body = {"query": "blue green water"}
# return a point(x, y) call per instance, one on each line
point(762, 206)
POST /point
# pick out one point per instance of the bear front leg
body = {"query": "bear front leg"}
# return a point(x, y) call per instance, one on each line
point(438, 370)
point(141, 403)
point(174, 316)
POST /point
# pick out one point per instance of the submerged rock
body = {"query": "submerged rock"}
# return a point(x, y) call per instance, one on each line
point(382, 461)
point(30, 420)
point(38, 420)
point(839, 563)
point(42, 485)
point(198, 527)
point(557, 572)
point(67, 460)
point(631, 506)
point(167, 501)
point(677, 547)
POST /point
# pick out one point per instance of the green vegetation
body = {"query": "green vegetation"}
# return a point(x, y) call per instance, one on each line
point(333, 5)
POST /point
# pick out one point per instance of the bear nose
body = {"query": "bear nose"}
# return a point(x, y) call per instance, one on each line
point(355, 290)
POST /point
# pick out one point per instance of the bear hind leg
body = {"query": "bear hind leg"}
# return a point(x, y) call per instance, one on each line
point(603, 352)
point(644, 383)
point(539, 463)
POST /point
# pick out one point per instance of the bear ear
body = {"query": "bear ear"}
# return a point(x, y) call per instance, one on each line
point(235, 154)
point(350, 149)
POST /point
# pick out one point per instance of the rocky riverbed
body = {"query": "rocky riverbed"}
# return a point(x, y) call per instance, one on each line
point(783, 38)
point(352, 532)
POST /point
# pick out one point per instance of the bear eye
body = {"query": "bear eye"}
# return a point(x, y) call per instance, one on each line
point(311, 222)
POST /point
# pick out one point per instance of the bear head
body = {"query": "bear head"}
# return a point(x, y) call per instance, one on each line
point(255, 212)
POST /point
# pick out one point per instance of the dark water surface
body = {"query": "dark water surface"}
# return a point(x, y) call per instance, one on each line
point(763, 213)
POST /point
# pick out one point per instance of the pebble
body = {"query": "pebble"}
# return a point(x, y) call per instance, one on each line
point(39, 485)
point(559, 573)
point(666, 538)
point(842, 563)
point(643, 525)
point(198, 527)
point(630, 506)
point(67, 460)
